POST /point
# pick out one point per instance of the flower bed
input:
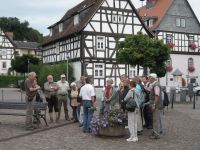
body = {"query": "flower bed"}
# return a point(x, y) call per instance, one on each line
point(110, 124)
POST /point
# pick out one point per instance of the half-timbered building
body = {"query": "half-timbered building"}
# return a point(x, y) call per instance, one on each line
point(88, 35)
point(6, 52)
point(176, 24)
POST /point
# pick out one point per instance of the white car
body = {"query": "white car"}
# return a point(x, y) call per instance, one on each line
point(196, 89)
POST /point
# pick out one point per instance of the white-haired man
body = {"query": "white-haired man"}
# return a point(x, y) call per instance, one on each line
point(31, 91)
point(156, 105)
point(63, 88)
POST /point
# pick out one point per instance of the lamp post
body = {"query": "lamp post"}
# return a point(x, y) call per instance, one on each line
point(28, 59)
point(67, 57)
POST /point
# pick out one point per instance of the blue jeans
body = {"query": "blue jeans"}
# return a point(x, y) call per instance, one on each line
point(102, 107)
point(87, 115)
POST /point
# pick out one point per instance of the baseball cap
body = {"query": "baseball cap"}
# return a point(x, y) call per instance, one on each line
point(153, 75)
point(62, 76)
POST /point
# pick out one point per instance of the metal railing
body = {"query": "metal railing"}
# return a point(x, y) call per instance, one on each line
point(12, 95)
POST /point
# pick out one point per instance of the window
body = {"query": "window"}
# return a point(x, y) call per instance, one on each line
point(76, 19)
point(3, 53)
point(117, 19)
point(98, 70)
point(180, 22)
point(183, 23)
point(120, 19)
point(4, 65)
point(190, 39)
point(114, 18)
point(50, 32)
point(169, 38)
point(100, 42)
point(131, 72)
point(150, 22)
point(190, 62)
point(60, 27)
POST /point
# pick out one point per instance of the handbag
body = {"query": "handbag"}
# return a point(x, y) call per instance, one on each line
point(131, 104)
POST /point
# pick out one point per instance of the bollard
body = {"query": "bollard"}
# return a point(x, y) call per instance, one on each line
point(21, 95)
point(194, 103)
point(2, 97)
point(172, 96)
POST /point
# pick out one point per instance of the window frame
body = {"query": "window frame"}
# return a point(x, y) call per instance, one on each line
point(4, 68)
point(98, 69)
point(60, 27)
point(50, 31)
point(102, 43)
point(76, 19)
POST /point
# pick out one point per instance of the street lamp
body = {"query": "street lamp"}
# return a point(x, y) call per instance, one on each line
point(67, 57)
point(28, 59)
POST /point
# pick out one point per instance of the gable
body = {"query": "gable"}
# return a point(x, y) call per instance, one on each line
point(180, 9)
point(116, 16)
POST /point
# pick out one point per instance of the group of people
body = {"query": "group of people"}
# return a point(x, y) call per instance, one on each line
point(146, 92)
point(80, 95)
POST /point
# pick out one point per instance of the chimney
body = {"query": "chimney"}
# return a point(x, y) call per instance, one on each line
point(10, 35)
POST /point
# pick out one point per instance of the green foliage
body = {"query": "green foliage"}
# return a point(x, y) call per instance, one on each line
point(5, 81)
point(56, 70)
point(21, 30)
point(142, 50)
point(20, 63)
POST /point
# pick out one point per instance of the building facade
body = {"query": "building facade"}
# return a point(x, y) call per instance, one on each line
point(174, 22)
point(7, 50)
point(88, 35)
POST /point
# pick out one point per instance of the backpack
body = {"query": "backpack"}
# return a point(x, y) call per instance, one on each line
point(165, 98)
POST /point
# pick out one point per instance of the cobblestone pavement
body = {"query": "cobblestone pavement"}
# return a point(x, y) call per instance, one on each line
point(182, 132)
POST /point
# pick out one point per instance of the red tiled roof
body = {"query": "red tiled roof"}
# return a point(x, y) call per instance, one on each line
point(158, 10)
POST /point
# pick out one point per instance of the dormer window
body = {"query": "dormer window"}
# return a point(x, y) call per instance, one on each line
point(50, 32)
point(60, 27)
point(76, 19)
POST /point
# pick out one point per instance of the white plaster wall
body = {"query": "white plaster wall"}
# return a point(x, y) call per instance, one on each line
point(181, 62)
point(77, 70)
point(8, 64)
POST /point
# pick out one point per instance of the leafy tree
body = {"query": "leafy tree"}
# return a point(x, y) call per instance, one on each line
point(144, 51)
point(21, 63)
point(21, 30)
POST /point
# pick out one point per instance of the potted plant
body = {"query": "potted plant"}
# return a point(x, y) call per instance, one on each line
point(192, 46)
point(110, 124)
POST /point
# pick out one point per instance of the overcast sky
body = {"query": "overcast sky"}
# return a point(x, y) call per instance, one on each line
point(43, 13)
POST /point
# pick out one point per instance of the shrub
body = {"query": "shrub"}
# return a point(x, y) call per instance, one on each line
point(43, 70)
point(6, 81)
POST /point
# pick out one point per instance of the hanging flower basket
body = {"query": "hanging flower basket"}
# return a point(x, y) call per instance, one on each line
point(193, 46)
point(170, 45)
point(191, 69)
point(169, 68)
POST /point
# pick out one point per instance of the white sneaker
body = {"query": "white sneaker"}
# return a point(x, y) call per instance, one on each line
point(135, 139)
point(126, 127)
point(129, 139)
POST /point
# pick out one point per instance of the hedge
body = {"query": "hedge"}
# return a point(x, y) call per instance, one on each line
point(55, 70)
point(7, 81)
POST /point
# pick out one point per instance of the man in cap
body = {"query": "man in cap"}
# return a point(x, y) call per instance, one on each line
point(62, 93)
point(156, 105)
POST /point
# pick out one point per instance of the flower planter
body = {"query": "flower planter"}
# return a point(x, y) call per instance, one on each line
point(170, 45)
point(113, 131)
point(169, 68)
